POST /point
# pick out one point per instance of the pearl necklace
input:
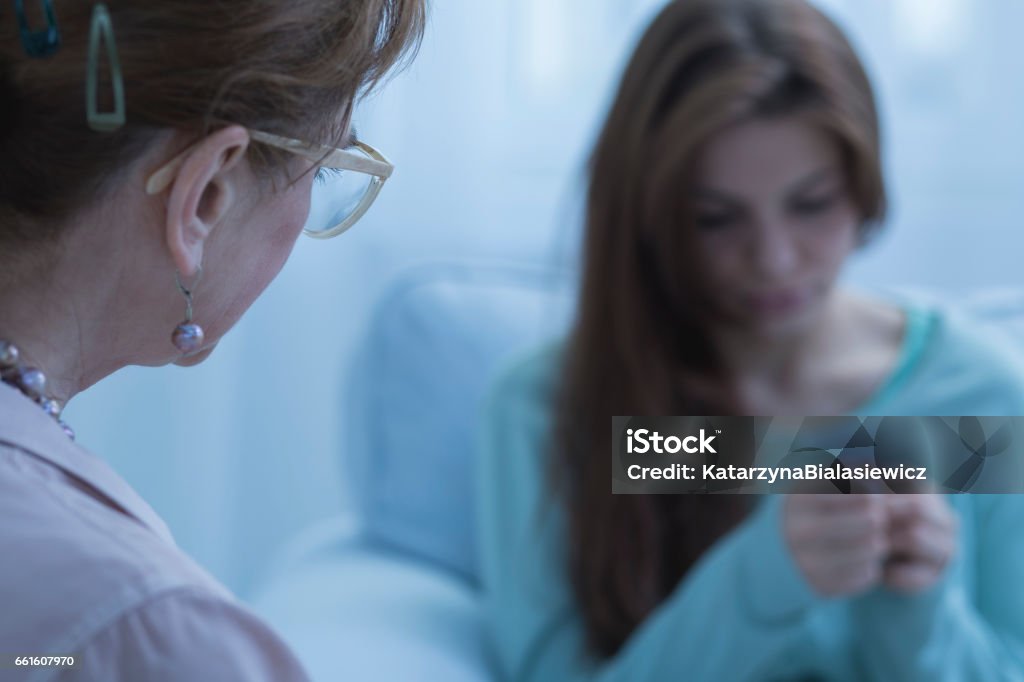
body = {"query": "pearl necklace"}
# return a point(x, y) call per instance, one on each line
point(31, 382)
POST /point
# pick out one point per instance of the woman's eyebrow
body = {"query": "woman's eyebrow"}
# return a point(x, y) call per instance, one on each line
point(710, 194)
point(811, 179)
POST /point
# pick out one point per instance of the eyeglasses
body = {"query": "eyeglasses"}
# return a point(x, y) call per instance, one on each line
point(346, 185)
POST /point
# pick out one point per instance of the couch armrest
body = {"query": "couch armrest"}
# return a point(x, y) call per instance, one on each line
point(352, 610)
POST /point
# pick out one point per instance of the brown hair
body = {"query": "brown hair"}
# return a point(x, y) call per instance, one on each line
point(284, 66)
point(637, 346)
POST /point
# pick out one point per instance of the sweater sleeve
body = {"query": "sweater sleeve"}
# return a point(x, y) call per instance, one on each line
point(737, 612)
point(948, 633)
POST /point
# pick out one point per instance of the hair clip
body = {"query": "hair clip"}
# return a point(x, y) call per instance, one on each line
point(41, 43)
point(102, 28)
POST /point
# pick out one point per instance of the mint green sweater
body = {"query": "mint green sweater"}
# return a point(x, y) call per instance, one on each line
point(745, 612)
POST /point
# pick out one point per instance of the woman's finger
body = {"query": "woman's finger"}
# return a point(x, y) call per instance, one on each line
point(910, 577)
point(923, 544)
point(929, 509)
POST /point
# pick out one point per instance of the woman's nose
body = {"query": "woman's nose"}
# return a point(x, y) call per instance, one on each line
point(774, 252)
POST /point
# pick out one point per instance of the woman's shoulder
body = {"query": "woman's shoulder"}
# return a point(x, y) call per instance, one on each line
point(962, 359)
point(957, 330)
point(80, 575)
point(188, 634)
point(976, 341)
point(83, 561)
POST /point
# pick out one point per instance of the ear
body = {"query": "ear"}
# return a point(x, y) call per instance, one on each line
point(203, 191)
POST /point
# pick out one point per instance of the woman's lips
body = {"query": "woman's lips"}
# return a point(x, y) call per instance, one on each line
point(777, 303)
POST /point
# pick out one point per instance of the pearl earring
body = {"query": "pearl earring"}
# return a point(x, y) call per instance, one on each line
point(187, 336)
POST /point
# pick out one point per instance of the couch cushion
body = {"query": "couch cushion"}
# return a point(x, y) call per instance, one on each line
point(435, 342)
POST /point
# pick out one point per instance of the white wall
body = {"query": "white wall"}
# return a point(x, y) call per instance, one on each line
point(488, 131)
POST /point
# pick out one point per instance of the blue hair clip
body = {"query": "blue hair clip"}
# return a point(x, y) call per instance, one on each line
point(102, 30)
point(42, 43)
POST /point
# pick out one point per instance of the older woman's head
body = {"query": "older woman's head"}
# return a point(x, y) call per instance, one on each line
point(230, 110)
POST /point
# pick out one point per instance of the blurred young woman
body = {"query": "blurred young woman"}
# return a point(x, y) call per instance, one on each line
point(738, 170)
point(142, 145)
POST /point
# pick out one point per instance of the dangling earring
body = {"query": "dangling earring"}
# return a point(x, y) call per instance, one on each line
point(187, 336)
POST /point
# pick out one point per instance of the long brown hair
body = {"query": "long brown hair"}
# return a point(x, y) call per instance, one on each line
point(284, 66)
point(637, 347)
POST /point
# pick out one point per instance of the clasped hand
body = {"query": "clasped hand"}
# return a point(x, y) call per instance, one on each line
point(847, 544)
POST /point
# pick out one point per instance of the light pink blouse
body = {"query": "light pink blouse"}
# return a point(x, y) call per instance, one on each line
point(87, 569)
